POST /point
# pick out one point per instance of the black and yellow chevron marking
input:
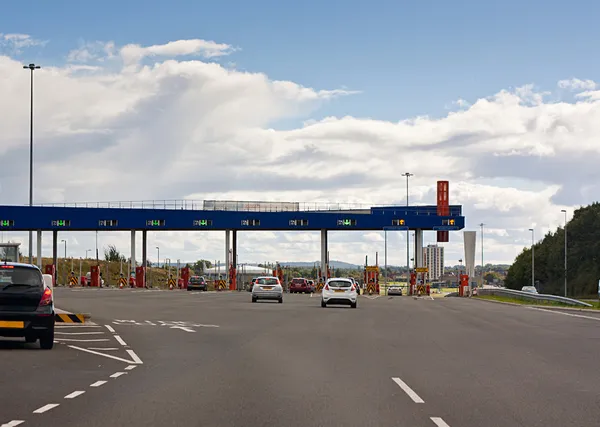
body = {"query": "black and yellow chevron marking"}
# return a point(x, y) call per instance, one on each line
point(123, 281)
point(73, 280)
point(69, 318)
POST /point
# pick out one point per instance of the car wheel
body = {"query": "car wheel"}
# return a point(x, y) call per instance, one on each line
point(353, 305)
point(323, 304)
point(47, 340)
point(280, 300)
point(254, 299)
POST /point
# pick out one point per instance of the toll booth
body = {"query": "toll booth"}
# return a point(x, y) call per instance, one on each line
point(233, 278)
point(95, 276)
point(278, 272)
point(420, 279)
point(185, 276)
point(413, 284)
point(51, 269)
point(371, 277)
point(463, 287)
point(140, 277)
point(9, 252)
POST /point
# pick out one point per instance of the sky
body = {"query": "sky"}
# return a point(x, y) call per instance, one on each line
point(328, 101)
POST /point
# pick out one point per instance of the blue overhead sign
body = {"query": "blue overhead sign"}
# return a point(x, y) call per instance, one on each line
point(24, 218)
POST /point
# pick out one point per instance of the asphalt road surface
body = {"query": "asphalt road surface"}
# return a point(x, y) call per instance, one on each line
point(177, 358)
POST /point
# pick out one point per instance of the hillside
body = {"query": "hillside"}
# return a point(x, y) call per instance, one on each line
point(583, 258)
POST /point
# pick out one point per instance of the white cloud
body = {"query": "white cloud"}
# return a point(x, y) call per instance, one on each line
point(576, 84)
point(14, 43)
point(107, 130)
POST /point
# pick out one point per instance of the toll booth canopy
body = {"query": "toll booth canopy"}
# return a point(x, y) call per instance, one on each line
point(9, 252)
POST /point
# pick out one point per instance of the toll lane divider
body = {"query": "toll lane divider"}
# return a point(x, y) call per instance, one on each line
point(61, 316)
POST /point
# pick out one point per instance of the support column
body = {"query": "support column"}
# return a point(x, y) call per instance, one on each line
point(132, 262)
point(227, 254)
point(145, 254)
point(324, 253)
point(234, 258)
point(55, 253)
point(39, 249)
point(419, 248)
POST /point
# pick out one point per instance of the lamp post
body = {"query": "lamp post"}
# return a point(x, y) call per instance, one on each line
point(481, 225)
point(565, 212)
point(31, 68)
point(532, 259)
point(407, 175)
point(66, 272)
point(86, 253)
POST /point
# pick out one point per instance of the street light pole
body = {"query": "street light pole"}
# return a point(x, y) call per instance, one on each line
point(407, 175)
point(66, 272)
point(481, 225)
point(565, 212)
point(31, 68)
point(532, 259)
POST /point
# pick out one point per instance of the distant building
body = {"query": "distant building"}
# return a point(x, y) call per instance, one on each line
point(433, 259)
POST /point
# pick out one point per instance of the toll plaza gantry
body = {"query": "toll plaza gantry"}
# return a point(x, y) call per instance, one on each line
point(231, 217)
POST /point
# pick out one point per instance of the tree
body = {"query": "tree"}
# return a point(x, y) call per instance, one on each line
point(112, 254)
point(200, 265)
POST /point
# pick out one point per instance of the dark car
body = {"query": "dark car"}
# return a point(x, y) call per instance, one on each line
point(197, 282)
point(254, 279)
point(300, 284)
point(26, 304)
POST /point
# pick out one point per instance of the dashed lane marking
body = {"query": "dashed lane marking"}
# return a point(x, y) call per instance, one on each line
point(46, 408)
point(134, 357)
point(74, 394)
point(98, 383)
point(120, 340)
point(13, 423)
point(414, 396)
point(130, 367)
point(110, 328)
point(118, 374)
point(439, 422)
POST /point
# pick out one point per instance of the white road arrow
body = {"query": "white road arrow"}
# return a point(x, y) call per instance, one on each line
point(183, 328)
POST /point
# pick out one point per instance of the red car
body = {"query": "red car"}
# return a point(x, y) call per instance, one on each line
point(300, 285)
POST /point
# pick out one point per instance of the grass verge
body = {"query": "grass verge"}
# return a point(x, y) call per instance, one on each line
point(595, 304)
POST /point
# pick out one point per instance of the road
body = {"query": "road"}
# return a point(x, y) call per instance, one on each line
point(177, 358)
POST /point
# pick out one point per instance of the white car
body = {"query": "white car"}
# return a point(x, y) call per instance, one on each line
point(530, 289)
point(267, 287)
point(395, 290)
point(339, 291)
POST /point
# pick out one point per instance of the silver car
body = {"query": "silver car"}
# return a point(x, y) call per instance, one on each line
point(267, 287)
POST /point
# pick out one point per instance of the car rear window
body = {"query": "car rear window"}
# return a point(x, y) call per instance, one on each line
point(297, 281)
point(10, 274)
point(267, 281)
point(196, 279)
point(340, 283)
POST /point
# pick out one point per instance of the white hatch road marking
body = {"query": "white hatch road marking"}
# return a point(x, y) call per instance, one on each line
point(414, 396)
point(75, 340)
point(134, 357)
point(439, 422)
point(110, 356)
point(77, 326)
point(13, 423)
point(150, 323)
point(118, 338)
point(80, 333)
point(45, 408)
point(74, 394)
point(183, 328)
point(110, 328)
point(118, 374)
point(104, 348)
point(130, 367)
point(566, 314)
point(98, 384)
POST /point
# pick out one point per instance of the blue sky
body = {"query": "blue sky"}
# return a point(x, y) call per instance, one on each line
point(409, 57)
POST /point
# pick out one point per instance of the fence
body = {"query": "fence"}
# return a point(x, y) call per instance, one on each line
point(528, 296)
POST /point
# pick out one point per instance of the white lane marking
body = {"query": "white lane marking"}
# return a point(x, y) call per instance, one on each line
point(110, 356)
point(439, 422)
point(74, 394)
point(13, 423)
point(98, 384)
point(45, 408)
point(566, 314)
point(414, 396)
point(80, 333)
point(110, 328)
point(183, 328)
point(149, 322)
point(130, 367)
point(117, 374)
point(134, 357)
point(105, 348)
point(118, 338)
point(77, 326)
point(74, 340)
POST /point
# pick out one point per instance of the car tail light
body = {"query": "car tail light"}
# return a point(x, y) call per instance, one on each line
point(46, 297)
point(353, 288)
point(7, 266)
point(326, 287)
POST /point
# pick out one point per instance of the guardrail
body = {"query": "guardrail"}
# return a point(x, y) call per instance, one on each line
point(250, 206)
point(528, 296)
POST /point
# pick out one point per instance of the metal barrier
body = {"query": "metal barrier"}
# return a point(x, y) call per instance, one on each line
point(528, 296)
